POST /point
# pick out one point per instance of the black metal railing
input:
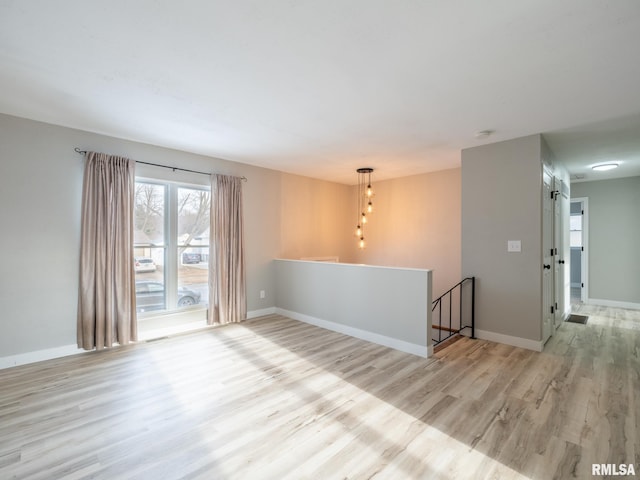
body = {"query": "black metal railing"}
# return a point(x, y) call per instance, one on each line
point(459, 318)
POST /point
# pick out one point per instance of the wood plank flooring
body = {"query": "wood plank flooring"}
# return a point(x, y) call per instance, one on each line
point(273, 398)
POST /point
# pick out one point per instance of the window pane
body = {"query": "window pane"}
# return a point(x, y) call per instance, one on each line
point(149, 268)
point(575, 222)
point(193, 276)
point(193, 246)
point(149, 214)
point(193, 216)
point(149, 295)
point(575, 238)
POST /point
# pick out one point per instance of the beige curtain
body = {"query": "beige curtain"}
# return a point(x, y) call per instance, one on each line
point(227, 284)
point(107, 301)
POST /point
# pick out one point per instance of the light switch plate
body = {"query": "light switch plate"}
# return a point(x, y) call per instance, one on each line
point(514, 246)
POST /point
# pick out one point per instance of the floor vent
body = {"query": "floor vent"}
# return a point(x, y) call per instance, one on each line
point(155, 339)
point(578, 319)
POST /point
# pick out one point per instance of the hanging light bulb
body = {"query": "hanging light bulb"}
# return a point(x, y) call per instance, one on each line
point(364, 204)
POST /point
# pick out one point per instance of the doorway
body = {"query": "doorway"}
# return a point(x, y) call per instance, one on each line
point(578, 222)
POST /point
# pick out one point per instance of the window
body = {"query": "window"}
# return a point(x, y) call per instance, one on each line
point(171, 246)
point(575, 230)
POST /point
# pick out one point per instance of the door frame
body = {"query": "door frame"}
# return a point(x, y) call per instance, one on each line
point(584, 263)
point(548, 258)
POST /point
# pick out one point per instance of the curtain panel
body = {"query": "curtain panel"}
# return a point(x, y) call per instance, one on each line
point(227, 276)
point(106, 299)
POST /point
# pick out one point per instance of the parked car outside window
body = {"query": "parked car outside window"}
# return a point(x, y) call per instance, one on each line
point(150, 296)
point(189, 258)
point(144, 264)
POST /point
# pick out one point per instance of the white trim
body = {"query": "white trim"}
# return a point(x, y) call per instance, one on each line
point(38, 356)
point(333, 259)
point(584, 257)
point(415, 349)
point(359, 265)
point(585, 248)
point(261, 313)
point(612, 303)
point(535, 345)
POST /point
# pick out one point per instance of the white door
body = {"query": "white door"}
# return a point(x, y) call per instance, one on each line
point(548, 307)
point(561, 250)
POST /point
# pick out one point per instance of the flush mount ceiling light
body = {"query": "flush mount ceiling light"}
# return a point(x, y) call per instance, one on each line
point(604, 167)
point(365, 204)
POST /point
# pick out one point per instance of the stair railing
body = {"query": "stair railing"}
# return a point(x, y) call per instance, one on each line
point(459, 318)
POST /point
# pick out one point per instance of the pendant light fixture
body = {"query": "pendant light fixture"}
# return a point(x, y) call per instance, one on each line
point(365, 203)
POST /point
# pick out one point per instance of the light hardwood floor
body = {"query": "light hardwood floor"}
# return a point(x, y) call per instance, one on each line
point(273, 398)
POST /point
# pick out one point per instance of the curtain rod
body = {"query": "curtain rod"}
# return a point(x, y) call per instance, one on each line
point(83, 152)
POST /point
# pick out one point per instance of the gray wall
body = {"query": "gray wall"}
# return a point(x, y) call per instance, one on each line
point(613, 238)
point(390, 302)
point(501, 200)
point(40, 195)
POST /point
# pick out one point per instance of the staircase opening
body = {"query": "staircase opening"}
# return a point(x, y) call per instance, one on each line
point(453, 312)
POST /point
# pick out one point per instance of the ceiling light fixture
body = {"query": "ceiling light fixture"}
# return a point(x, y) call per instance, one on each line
point(604, 167)
point(365, 204)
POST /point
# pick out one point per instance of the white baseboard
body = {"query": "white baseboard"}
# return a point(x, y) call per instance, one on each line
point(38, 356)
point(535, 345)
point(261, 313)
point(419, 350)
point(58, 352)
point(64, 351)
point(612, 303)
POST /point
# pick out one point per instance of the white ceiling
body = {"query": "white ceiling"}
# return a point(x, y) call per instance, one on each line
point(323, 87)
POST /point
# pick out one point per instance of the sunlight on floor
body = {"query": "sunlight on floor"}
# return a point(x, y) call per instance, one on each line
point(171, 324)
point(354, 424)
